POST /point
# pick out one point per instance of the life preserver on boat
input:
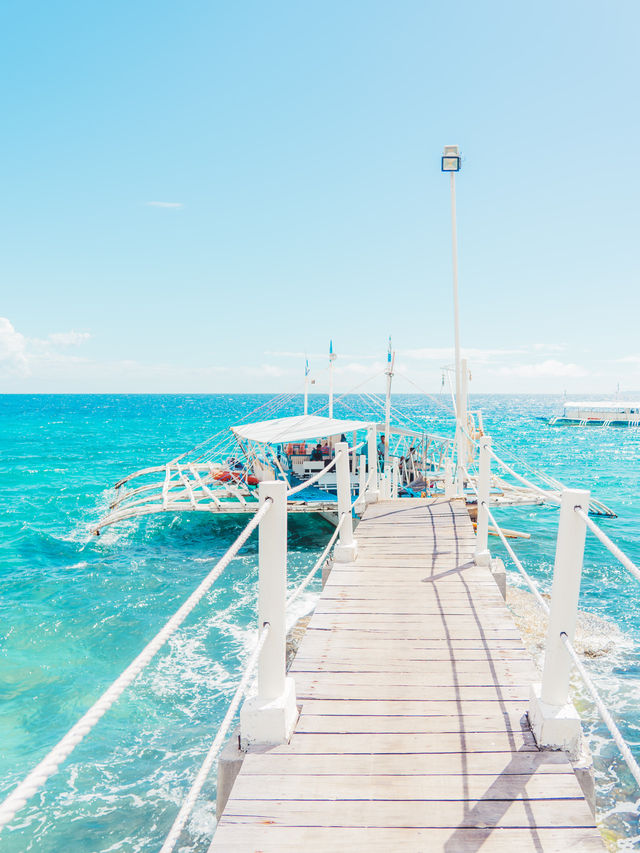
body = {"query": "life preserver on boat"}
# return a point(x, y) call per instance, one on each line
point(252, 480)
point(222, 476)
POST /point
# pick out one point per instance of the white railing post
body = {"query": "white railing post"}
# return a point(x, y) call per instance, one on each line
point(347, 547)
point(395, 476)
point(385, 487)
point(459, 482)
point(482, 555)
point(449, 488)
point(372, 457)
point(269, 717)
point(553, 718)
point(362, 486)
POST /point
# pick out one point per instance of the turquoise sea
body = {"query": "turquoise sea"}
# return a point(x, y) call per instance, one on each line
point(75, 610)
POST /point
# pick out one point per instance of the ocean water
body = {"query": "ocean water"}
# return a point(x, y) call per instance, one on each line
point(75, 609)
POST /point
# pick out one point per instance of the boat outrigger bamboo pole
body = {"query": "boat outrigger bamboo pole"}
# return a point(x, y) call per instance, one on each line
point(387, 409)
point(332, 358)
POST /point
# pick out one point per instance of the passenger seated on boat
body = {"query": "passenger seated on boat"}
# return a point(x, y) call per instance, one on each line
point(316, 454)
point(326, 450)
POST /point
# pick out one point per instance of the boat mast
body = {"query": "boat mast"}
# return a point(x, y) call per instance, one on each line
point(332, 358)
point(391, 356)
point(306, 386)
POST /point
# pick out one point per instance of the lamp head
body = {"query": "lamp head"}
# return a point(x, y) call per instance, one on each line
point(451, 159)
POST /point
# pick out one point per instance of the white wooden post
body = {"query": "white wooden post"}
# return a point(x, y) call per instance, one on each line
point(372, 456)
point(385, 487)
point(362, 486)
point(449, 488)
point(395, 476)
point(482, 555)
point(269, 717)
point(459, 484)
point(553, 718)
point(347, 548)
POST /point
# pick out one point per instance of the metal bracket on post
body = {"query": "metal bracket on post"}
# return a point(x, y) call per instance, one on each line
point(269, 718)
point(482, 555)
point(347, 548)
point(553, 718)
point(372, 494)
point(449, 488)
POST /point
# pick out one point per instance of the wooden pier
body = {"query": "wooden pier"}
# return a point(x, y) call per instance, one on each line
point(413, 684)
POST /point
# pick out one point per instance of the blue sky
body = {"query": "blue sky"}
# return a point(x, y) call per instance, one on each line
point(294, 150)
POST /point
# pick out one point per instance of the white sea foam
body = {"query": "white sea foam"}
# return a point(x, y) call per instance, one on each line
point(595, 637)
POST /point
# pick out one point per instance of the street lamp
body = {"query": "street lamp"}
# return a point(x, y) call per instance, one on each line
point(451, 159)
point(450, 162)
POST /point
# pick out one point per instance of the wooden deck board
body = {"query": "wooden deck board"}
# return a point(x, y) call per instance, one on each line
point(406, 839)
point(413, 684)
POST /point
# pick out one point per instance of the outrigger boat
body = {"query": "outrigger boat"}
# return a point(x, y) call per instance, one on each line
point(602, 413)
point(221, 475)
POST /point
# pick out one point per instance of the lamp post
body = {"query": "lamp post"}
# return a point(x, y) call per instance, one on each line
point(387, 409)
point(451, 163)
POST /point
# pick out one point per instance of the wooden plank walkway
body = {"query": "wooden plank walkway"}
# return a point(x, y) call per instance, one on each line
point(413, 682)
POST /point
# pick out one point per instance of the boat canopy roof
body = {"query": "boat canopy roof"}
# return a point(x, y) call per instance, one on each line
point(603, 404)
point(297, 428)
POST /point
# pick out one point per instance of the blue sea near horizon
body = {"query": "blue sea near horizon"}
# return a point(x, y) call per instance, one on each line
point(76, 609)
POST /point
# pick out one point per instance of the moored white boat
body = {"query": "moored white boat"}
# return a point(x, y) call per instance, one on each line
point(599, 413)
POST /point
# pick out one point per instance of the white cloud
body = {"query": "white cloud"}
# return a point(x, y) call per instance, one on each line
point(549, 347)
point(628, 359)
point(69, 339)
point(169, 204)
point(13, 350)
point(287, 354)
point(355, 367)
point(314, 355)
point(269, 370)
point(441, 354)
point(21, 356)
point(542, 369)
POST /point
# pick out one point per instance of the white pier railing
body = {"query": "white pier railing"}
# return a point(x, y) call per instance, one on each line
point(267, 718)
point(552, 716)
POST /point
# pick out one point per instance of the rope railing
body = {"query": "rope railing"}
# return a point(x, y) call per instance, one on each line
point(549, 496)
point(606, 716)
point(60, 752)
point(620, 742)
point(201, 777)
point(611, 546)
point(534, 589)
point(309, 577)
point(205, 769)
point(314, 479)
point(322, 472)
point(527, 578)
